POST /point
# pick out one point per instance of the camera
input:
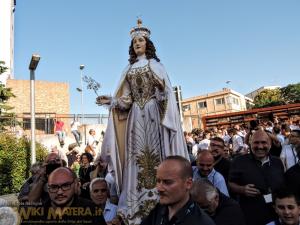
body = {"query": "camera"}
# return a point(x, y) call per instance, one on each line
point(51, 167)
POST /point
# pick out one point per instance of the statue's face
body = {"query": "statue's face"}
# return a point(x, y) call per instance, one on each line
point(139, 45)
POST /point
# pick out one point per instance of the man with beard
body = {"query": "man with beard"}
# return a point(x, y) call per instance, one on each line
point(64, 206)
point(222, 165)
point(253, 177)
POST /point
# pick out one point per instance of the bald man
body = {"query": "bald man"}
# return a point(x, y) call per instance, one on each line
point(173, 183)
point(205, 170)
point(254, 176)
point(64, 206)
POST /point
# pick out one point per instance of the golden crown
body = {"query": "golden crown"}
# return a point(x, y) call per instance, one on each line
point(139, 30)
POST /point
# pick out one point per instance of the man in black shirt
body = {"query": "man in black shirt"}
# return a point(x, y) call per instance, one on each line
point(253, 177)
point(64, 206)
point(222, 165)
point(174, 182)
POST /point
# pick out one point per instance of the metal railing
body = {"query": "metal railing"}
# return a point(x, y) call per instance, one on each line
point(44, 122)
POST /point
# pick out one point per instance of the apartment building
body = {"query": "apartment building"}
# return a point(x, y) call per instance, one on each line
point(224, 101)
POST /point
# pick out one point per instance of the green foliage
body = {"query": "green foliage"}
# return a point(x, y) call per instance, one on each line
point(267, 98)
point(15, 162)
point(271, 97)
point(5, 95)
point(3, 68)
point(291, 93)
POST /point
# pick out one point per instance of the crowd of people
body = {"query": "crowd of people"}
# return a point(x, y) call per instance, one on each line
point(234, 176)
point(250, 162)
point(148, 172)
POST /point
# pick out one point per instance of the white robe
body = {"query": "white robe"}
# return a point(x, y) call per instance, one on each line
point(150, 136)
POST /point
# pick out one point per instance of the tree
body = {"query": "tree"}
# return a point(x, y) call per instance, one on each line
point(268, 97)
point(15, 157)
point(291, 93)
point(5, 95)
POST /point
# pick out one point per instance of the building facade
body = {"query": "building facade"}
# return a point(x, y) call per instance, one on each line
point(224, 101)
point(254, 93)
point(52, 99)
point(7, 11)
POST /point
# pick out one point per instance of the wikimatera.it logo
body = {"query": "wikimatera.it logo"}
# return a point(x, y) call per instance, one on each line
point(58, 213)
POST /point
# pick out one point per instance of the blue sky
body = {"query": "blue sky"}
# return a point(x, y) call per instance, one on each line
point(202, 44)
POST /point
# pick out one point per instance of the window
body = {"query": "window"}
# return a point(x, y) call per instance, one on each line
point(41, 124)
point(235, 101)
point(186, 108)
point(202, 105)
point(220, 101)
point(232, 100)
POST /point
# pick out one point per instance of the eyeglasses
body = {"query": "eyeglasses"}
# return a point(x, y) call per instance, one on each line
point(100, 190)
point(53, 188)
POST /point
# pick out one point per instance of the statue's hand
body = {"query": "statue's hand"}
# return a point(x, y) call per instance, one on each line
point(103, 100)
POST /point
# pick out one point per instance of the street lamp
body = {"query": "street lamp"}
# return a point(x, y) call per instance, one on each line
point(32, 67)
point(81, 67)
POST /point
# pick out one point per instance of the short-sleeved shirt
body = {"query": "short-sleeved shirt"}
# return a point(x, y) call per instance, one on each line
point(289, 156)
point(214, 177)
point(59, 125)
point(74, 125)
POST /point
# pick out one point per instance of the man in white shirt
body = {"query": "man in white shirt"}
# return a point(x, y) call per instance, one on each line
point(285, 132)
point(269, 126)
point(75, 131)
point(100, 196)
point(280, 137)
point(289, 154)
point(237, 142)
point(204, 144)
